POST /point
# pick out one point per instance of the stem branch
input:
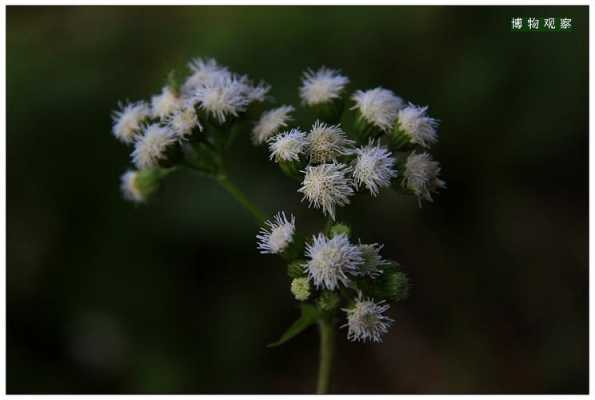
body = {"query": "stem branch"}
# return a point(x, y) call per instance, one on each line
point(327, 344)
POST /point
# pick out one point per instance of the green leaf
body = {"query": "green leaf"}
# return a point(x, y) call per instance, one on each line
point(310, 315)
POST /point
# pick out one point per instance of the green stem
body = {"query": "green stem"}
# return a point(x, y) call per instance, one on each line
point(241, 198)
point(327, 344)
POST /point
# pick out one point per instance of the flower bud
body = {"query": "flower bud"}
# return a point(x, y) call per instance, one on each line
point(394, 285)
point(328, 301)
point(391, 284)
point(137, 186)
point(300, 288)
point(339, 229)
point(296, 269)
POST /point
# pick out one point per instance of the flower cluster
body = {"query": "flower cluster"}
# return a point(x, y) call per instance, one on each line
point(369, 146)
point(358, 143)
point(377, 142)
point(184, 124)
point(331, 264)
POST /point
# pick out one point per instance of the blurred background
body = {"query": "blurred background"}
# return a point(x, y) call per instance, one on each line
point(172, 297)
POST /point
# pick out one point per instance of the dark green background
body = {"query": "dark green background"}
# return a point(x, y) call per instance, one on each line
point(172, 297)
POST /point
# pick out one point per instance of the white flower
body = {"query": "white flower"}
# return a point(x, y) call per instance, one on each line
point(222, 98)
point(151, 147)
point(165, 103)
point(128, 120)
point(256, 92)
point(321, 86)
point(372, 260)
point(183, 121)
point(287, 146)
point(228, 96)
point(330, 260)
point(204, 72)
point(378, 106)
point(327, 186)
point(373, 167)
point(421, 176)
point(270, 122)
point(129, 187)
point(276, 235)
point(326, 142)
point(366, 321)
point(416, 124)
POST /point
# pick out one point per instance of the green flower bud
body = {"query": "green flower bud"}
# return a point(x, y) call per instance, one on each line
point(391, 285)
point(328, 301)
point(300, 287)
point(137, 186)
point(296, 269)
point(339, 229)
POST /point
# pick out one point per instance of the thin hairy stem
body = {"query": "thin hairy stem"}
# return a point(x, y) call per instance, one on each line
point(327, 345)
point(241, 198)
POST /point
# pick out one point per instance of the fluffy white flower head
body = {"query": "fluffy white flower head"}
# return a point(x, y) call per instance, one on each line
point(373, 167)
point(327, 186)
point(321, 86)
point(204, 72)
point(270, 123)
point(288, 146)
point(222, 98)
point(416, 124)
point(165, 103)
point(182, 121)
point(129, 187)
point(150, 148)
point(128, 120)
point(421, 176)
point(256, 92)
point(276, 235)
point(228, 96)
point(326, 142)
point(331, 260)
point(378, 106)
point(366, 321)
point(372, 260)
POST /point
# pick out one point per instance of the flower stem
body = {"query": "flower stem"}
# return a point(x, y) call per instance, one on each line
point(327, 344)
point(241, 198)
